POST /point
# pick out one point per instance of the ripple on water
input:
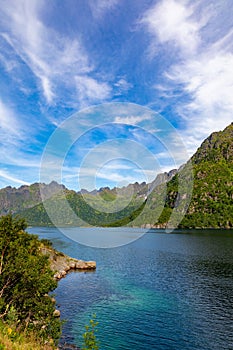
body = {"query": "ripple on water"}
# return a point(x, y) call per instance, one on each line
point(163, 292)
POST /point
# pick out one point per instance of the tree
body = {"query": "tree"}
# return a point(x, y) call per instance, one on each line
point(25, 280)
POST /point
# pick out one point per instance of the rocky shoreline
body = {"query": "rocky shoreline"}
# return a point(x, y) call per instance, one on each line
point(62, 264)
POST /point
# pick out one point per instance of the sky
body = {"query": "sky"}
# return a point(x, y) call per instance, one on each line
point(90, 80)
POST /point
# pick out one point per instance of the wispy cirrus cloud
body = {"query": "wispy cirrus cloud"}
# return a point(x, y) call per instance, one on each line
point(100, 7)
point(18, 162)
point(90, 89)
point(202, 67)
point(209, 82)
point(122, 86)
point(132, 119)
point(55, 59)
point(10, 128)
point(119, 179)
point(173, 22)
point(5, 176)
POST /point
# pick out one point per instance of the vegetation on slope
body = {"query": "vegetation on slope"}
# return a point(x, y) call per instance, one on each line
point(212, 198)
point(11, 339)
point(210, 205)
point(13, 200)
point(70, 208)
point(25, 280)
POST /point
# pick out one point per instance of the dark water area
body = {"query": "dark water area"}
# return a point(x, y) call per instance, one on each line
point(162, 291)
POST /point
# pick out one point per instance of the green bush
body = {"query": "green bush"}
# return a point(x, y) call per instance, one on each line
point(25, 280)
point(90, 340)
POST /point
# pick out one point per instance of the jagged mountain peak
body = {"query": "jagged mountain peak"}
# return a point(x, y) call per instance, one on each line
point(215, 147)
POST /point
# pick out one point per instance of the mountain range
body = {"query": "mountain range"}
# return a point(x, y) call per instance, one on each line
point(198, 195)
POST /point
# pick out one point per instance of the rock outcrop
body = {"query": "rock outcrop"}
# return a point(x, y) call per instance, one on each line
point(62, 264)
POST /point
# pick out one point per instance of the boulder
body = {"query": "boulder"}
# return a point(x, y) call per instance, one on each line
point(86, 265)
point(67, 268)
point(72, 265)
point(80, 265)
point(56, 313)
point(91, 265)
point(57, 276)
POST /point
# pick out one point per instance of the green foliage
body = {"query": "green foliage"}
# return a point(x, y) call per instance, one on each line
point(212, 198)
point(12, 339)
point(46, 242)
point(210, 206)
point(90, 340)
point(211, 203)
point(218, 146)
point(108, 195)
point(81, 210)
point(25, 280)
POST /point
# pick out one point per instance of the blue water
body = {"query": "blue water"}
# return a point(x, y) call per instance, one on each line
point(163, 291)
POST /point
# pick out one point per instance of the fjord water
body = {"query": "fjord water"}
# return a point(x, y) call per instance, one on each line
point(163, 291)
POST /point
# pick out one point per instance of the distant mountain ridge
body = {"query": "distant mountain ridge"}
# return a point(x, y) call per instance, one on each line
point(211, 204)
point(26, 200)
point(15, 199)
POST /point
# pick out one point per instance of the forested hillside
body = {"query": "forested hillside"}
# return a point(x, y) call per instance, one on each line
point(151, 205)
point(212, 198)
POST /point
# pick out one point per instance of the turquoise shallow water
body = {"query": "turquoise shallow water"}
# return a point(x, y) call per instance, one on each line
point(163, 291)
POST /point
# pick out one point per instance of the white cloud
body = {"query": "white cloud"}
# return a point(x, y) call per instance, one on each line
point(202, 68)
point(17, 161)
point(132, 119)
point(100, 7)
point(122, 86)
point(8, 63)
point(15, 157)
point(54, 58)
point(171, 21)
point(47, 88)
point(10, 129)
point(4, 174)
point(117, 177)
point(208, 80)
point(117, 165)
point(90, 89)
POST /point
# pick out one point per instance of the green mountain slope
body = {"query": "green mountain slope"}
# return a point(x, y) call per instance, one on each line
point(71, 208)
point(152, 205)
point(212, 198)
point(13, 200)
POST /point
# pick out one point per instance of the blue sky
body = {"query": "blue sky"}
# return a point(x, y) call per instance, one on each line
point(58, 58)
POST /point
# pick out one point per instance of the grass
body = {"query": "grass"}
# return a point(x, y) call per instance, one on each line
point(10, 339)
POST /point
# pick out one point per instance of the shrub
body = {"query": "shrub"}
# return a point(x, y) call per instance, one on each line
point(25, 280)
point(90, 341)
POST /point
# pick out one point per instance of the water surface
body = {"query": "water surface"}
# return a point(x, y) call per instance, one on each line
point(163, 291)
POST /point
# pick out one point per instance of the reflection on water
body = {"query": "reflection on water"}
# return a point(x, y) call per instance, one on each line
point(163, 291)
